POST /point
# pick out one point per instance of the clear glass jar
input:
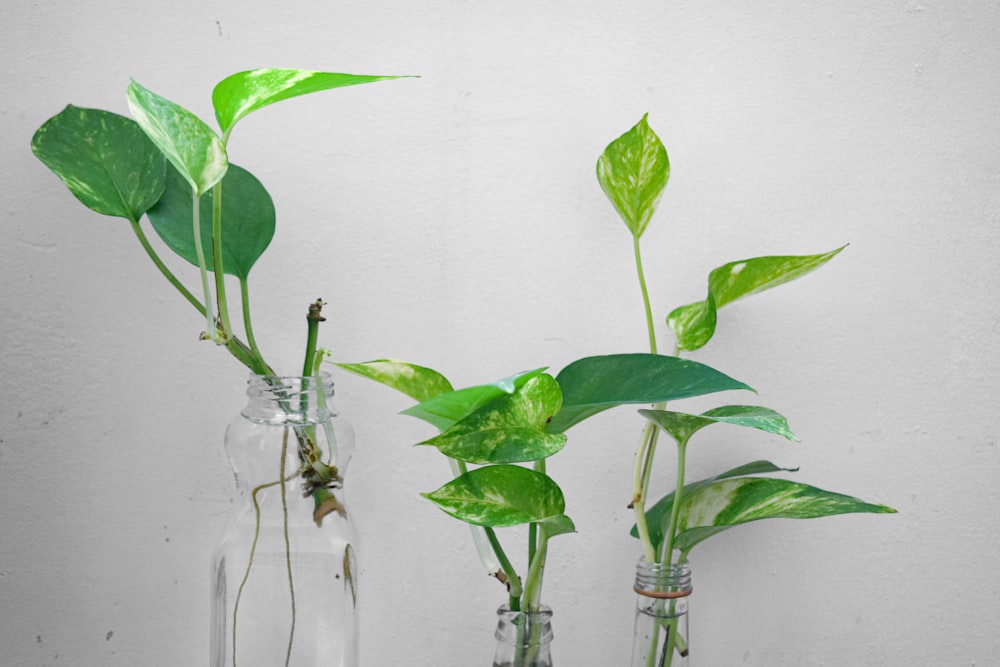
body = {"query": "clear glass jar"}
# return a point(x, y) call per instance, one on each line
point(523, 638)
point(285, 574)
point(661, 614)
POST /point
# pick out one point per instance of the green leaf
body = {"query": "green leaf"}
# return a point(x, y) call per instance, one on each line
point(593, 384)
point(558, 525)
point(105, 160)
point(417, 382)
point(247, 220)
point(681, 426)
point(507, 429)
point(722, 504)
point(187, 142)
point(658, 515)
point(443, 410)
point(633, 171)
point(694, 324)
point(244, 92)
point(500, 496)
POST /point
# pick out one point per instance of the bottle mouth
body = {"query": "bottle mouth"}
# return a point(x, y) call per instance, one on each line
point(288, 387)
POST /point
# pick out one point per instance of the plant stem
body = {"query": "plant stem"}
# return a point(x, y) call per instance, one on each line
point(675, 510)
point(171, 278)
point(217, 261)
point(247, 325)
point(536, 570)
point(645, 295)
point(312, 320)
point(211, 331)
point(513, 581)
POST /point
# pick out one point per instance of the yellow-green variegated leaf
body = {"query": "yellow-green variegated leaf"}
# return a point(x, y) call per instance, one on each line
point(658, 515)
point(681, 425)
point(105, 160)
point(417, 382)
point(633, 171)
point(500, 496)
point(509, 429)
point(443, 410)
point(694, 324)
point(720, 505)
point(244, 92)
point(190, 145)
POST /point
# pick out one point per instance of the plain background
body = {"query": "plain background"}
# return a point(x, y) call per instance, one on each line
point(454, 220)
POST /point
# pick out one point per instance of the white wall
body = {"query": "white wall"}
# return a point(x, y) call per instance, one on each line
point(454, 220)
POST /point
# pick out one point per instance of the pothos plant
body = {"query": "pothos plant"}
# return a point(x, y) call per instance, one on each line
point(510, 428)
point(171, 167)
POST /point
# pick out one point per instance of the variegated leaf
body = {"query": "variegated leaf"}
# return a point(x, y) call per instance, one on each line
point(443, 410)
point(417, 382)
point(722, 504)
point(500, 496)
point(681, 426)
point(659, 513)
point(508, 429)
point(694, 324)
point(187, 142)
point(558, 525)
point(105, 160)
point(239, 94)
point(633, 171)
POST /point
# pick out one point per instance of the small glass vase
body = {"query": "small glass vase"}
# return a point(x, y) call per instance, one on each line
point(523, 638)
point(661, 614)
point(284, 574)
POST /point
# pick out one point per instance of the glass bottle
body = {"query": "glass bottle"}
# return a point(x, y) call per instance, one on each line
point(284, 574)
point(661, 614)
point(523, 638)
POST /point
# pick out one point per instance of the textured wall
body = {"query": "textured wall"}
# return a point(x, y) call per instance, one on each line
point(454, 220)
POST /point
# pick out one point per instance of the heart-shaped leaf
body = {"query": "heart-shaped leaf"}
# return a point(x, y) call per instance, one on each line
point(105, 160)
point(509, 429)
point(247, 220)
point(715, 507)
point(658, 515)
point(244, 92)
point(694, 324)
point(594, 384)
point(681, 426)
point(443, 410)
point(499, 496)
point(633, 171)
point(417, 382)
point(558, 525)
point(187, 142)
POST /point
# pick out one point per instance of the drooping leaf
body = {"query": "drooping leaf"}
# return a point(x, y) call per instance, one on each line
point(558, 525)
point(443, 410)
point(417, 382)
point(244, 92)
point(247, 220)
point(681, 426)
point(694, 324)
point(714, 507)
point(499, 496)
point(633, 171)
point(105, 160)
point(508, 429)
point(659, 513)
point(593, 384)
point(187, 142)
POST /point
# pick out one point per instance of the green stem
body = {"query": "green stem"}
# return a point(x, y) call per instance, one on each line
point(536, 571)
point(211, 331)
point(513, 581)
point(171, 278)
point(645, 295)
point(668, 538)
point(247, 325)
point(312, 319)
point(217, 261)
point(638, 504)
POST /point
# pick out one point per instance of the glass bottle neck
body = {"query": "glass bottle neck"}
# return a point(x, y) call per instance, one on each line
point(288, 399)
point(663, 580)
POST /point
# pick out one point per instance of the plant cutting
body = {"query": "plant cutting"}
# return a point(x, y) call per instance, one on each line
point(173, 168)
point(633, 172)
point(522, 420)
